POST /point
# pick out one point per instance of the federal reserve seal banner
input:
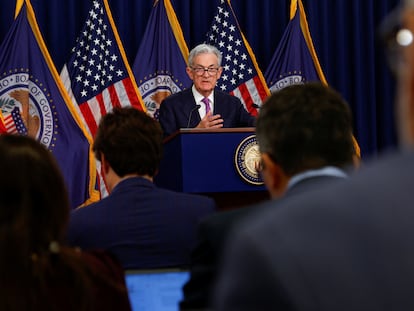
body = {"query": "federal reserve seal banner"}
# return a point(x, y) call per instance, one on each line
point(295, 60)
point(160, 63)
point(247, 160)
point(33, 103)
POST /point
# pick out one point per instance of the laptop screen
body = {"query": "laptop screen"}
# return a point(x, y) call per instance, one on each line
point(155, 290)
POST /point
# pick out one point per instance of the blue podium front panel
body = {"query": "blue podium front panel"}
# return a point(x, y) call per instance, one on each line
point(197, 161)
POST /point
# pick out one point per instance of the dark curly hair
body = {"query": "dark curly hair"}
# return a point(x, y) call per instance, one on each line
point(130, 140)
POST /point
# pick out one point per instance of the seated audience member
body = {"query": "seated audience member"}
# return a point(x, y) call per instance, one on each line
point(305, 139)
point(38, 271)
point(346, 247)
point(203, 106)
point(144, 226)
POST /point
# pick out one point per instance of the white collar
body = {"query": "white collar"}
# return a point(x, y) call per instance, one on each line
point(198, 97)
point(324, 171)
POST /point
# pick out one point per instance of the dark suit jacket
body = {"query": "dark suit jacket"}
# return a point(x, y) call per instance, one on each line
point(179, 111)
point(212, 234)
point(142, 225)
point(346, 247)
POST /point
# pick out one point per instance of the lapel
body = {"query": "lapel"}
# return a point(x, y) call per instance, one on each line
point(190, 108)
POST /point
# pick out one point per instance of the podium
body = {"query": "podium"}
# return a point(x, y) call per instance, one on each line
point(213, 162)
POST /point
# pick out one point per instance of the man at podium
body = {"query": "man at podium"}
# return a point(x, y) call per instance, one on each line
point(203, 106)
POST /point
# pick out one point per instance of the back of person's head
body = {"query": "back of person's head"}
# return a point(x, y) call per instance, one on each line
point(131, 142)
point(34, 211)
point(34, 206)
point(304, 127)
point(202, 49)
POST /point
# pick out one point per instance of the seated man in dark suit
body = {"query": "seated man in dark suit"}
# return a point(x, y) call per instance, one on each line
point(305, 139)
point(203, 106)
point(144, 226)
point(348, 246)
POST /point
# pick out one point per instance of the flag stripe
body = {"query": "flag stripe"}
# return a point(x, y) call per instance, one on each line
point(123, 56)
point(10, 126)
point(262, 91)
point(132, 96)
point(105, 102)
point(94, 75)
point(241, 75)
point(244, 95)
point(89, 117)
point(113, 95)
point(119, 94)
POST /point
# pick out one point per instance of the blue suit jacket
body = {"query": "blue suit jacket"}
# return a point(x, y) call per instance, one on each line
point(347, 247)
point(214, 230)
point(180, 111)
point(142, 225)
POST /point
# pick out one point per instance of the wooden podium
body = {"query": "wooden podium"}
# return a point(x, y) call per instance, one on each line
point(210, 162)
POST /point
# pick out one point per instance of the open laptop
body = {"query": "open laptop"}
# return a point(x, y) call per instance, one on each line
point(155, 289)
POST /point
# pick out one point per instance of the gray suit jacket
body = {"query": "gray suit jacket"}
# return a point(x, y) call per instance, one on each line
point(214, 230)
point(348, 246)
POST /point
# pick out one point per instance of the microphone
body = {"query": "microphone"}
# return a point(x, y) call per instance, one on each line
point(191, 113)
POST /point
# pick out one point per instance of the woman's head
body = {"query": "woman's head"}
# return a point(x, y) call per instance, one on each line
point(34, 206)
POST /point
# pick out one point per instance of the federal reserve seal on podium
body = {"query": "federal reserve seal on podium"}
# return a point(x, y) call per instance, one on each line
point(247, 160)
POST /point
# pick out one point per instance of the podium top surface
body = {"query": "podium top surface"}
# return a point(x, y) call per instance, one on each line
point(206, 130)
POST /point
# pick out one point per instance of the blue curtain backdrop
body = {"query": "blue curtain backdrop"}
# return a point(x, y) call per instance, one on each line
point(343, 32)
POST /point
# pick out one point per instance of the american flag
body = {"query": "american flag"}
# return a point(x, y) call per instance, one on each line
point(14, 123)
point(97, 75)
point(241, 75)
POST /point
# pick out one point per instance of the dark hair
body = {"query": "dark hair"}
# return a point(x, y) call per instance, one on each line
point(130, 140)
point(306, 126)
point(34, 212)
point(34, 206)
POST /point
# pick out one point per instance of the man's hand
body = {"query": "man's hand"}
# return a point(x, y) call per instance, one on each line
point(211, 121)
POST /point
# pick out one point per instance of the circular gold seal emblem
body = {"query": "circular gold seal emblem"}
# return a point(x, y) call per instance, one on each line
point(247, 159)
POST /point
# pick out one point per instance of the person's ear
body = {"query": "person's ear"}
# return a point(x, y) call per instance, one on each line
point(190, 73)
point(104, 165)
point(274, 177)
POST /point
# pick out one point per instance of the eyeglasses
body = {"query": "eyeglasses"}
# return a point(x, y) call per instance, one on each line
point(200, 70)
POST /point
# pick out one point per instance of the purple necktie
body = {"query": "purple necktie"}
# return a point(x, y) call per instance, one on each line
point(207, 103)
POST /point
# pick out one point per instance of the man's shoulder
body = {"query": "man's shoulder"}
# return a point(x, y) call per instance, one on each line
point(178, 96)
point(218, 225)
point(364, 193)
point(86, 211)
point(188, 201)
point(188, 196)
point(230, 217)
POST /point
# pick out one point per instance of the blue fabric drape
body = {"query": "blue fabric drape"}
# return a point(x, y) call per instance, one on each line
point(343, 31)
